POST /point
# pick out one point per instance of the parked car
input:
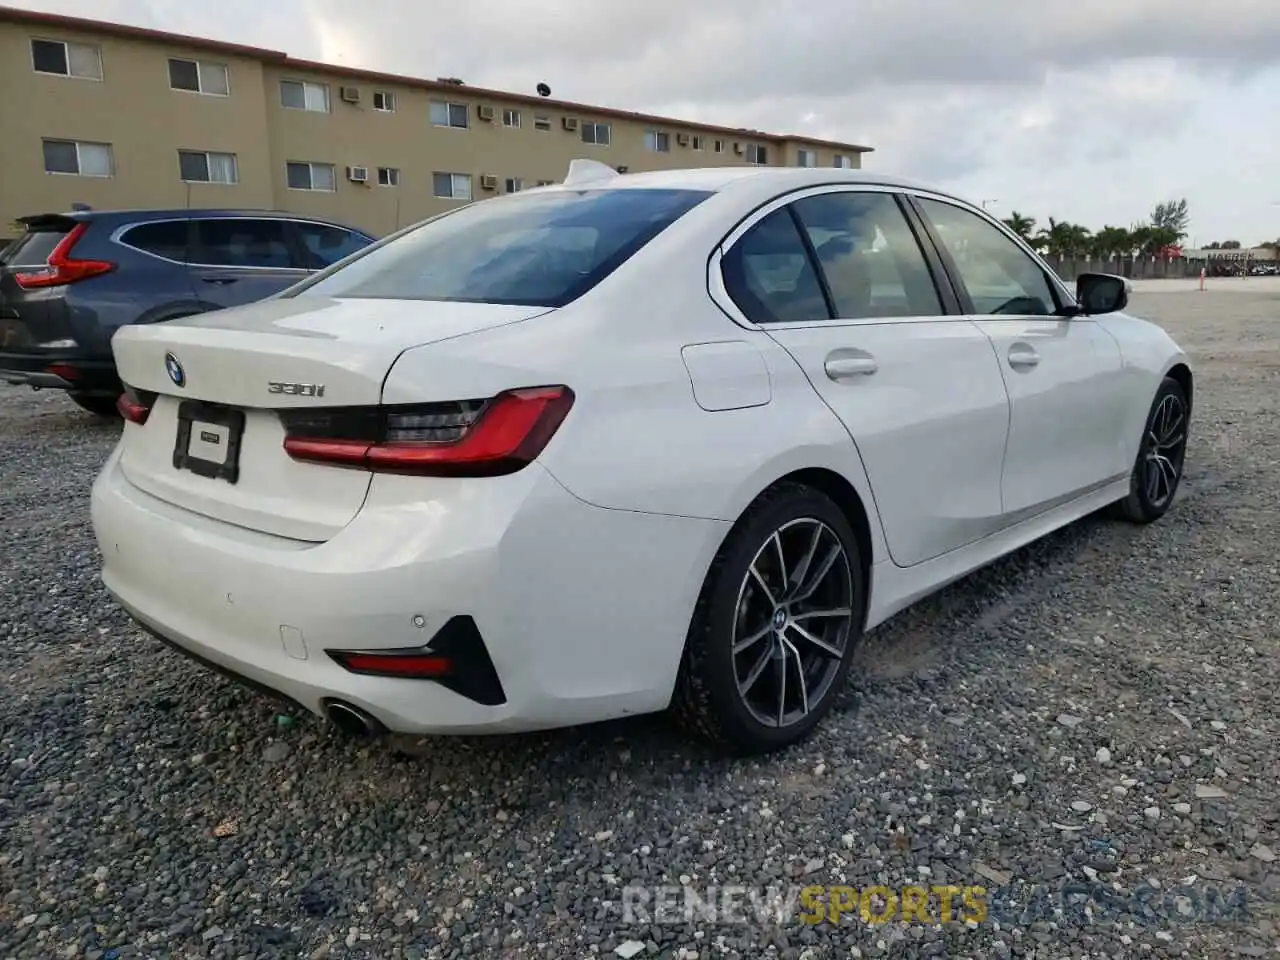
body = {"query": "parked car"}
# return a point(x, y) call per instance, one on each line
point(72, 279)
point(633, 442)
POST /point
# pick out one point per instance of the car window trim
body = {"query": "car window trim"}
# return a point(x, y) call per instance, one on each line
point(118, 233)
point(1062, 296)
point(720, 294)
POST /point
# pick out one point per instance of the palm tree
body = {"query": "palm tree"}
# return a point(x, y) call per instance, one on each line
point(1021, 225)
point(1063, 239)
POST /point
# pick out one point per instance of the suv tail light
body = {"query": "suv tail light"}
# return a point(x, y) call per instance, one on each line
point(468, 438)
point(61, 268)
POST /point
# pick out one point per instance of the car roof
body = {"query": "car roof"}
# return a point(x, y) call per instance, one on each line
point(716, 179)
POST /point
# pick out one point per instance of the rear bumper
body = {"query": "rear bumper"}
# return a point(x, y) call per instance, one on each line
point(60, 370)
point(582, 611)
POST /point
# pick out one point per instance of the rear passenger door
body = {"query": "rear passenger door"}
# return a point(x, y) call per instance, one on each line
point(839, 278)
point(239, 260)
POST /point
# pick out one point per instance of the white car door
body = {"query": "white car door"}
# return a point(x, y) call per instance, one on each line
point(838, 278)
point(1063, 373)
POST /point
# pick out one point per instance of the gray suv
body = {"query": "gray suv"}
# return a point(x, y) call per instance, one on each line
point(72, 279)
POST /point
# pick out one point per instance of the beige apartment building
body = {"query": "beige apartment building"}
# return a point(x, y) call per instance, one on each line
point(122, 117)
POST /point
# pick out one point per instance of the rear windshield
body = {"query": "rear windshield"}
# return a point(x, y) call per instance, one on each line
point(541, 250)
point(32, 249)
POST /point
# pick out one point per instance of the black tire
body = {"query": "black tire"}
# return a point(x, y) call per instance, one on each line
point(96, 404)
point(707, 697)
point(1157, 472)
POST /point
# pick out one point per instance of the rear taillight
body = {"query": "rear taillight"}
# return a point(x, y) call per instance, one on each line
point(475, 438)
point(61, 268)
point(135, 405)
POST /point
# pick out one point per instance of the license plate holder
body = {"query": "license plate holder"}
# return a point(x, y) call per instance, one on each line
point(215, 427)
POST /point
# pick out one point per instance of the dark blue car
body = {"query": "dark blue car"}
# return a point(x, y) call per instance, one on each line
point(72, 279)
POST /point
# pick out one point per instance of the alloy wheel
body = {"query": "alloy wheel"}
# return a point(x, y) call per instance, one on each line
point(792, 622)
point(1163, 450)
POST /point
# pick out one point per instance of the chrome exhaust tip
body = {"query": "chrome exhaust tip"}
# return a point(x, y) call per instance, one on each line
point(353, 721)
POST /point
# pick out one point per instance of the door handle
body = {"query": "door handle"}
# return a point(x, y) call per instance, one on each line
point(221, 281)
point(1022, 357)
point(843, 366)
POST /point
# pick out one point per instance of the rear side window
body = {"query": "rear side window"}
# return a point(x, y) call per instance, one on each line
point(166, 239)
point(32, 249)
point(324, 245)
point(769, 275)
point(536, 250)
point(242, 243)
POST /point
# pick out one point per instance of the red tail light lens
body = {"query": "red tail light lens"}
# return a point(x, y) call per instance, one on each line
point(135, 406)
point(466, 438)
point(61, 269)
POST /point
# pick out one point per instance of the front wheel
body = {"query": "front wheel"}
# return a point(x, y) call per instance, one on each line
point(1158, 470)
point(96, 404)
point(773, 635)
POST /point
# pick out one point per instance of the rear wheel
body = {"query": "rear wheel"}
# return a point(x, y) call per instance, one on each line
point(774, 631)
point(1158, 470)
point(96, 404)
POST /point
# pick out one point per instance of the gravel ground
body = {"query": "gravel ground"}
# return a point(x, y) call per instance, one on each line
point(1099, 710)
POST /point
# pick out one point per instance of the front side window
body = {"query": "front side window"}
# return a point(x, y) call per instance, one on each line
point(868, 255)
point(532, 249)
point(324, 244)
point(242, 243)
point(769, 275)
point(999, 276)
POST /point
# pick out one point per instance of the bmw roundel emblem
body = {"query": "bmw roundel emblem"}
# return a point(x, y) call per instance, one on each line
point(174, 369)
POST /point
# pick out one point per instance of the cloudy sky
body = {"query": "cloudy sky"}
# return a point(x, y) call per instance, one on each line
point(1091, 111)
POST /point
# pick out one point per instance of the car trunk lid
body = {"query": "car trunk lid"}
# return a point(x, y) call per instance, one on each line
point(217, 384)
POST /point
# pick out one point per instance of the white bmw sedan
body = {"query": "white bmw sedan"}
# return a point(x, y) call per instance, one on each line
point(623, 444)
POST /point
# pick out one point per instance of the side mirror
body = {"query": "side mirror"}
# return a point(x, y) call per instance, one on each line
point(1101, 293)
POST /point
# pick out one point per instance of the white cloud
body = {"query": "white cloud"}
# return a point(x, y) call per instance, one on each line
point(1092, 111)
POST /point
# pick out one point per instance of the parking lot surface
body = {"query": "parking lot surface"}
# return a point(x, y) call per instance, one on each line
point(1097, 714)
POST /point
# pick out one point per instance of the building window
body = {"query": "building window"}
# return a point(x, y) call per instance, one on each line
point(757, 154)
point(304, 175)
point(657, 141)
point(78, 158)
point(80, 60)
point(544, 183)
point(806, 158)
point(842, 162)
point(451, 186)
point(301, 95)
point(719, 146)
point(448, 114)
point(699, 143)
point(511, 118)
point(199, 77)
point(384, 101)
point(514, 185)
point(598, 133)
point(541, 122)
point(388, 176)
point(196, 166)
